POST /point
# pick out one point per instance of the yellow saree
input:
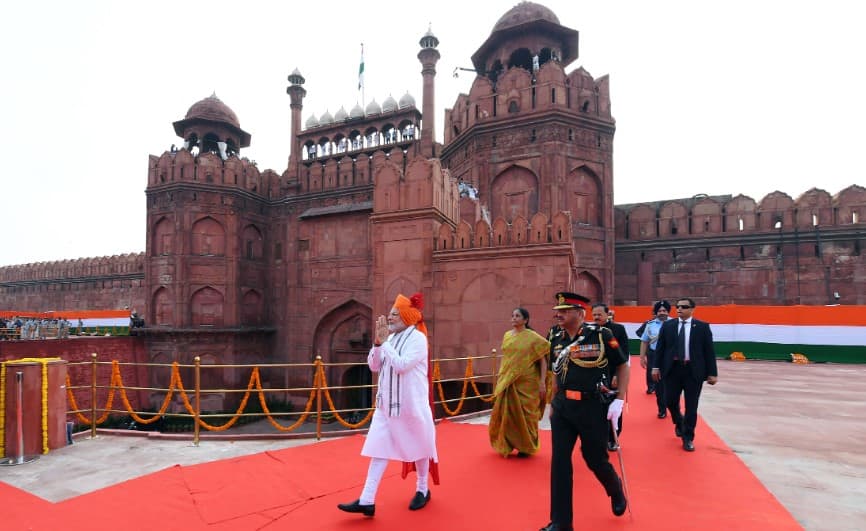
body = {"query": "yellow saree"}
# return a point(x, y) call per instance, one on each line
point(516, 407)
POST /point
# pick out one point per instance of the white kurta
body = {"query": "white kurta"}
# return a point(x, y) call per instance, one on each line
point(402, 426)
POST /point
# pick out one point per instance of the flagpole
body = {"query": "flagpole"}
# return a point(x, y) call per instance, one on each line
point(361, 79)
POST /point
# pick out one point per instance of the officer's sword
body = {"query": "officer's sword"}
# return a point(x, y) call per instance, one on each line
point(621, 468)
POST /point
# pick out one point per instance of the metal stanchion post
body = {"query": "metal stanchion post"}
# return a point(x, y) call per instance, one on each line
point(93, 396)
point(196, 417)
point(317, 383)
point(19, 417)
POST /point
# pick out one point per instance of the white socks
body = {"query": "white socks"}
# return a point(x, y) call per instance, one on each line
point(377, 470)
point(374, 475)
point(422, 466)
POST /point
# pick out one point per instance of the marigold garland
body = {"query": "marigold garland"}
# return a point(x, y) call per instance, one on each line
point(437, 376)
point(117, 380)
point(319, 382)
point(43, 400)
point(798, 358)
point(478, 393)
point(3, 409)
point(307, 408)
point(107, 410)
point(231, 422)
point(341, 420)
point(44, 407)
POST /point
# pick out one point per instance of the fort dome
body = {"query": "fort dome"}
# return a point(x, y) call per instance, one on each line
point(213, 109)
point(390, 104)
point(373, 108)
point(407, 101)
point(525, 12)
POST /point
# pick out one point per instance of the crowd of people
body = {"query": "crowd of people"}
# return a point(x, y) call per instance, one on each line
point(31, 328)
point(582, 367)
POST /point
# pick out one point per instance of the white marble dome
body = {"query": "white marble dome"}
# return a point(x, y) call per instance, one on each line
point(373, 108)
point(407, 101)
point(390, 104)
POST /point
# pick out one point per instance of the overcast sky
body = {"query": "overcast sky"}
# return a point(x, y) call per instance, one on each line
point(709, 97)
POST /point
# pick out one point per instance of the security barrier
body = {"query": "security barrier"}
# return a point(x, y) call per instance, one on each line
point(319, 395)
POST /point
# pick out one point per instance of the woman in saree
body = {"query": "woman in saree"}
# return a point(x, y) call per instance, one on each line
point(520, 393)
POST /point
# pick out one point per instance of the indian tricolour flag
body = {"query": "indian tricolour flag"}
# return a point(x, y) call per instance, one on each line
point(821, 333)
point(361, 70)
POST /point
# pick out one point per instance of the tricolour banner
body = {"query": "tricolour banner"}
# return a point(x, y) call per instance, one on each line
point(822, 333)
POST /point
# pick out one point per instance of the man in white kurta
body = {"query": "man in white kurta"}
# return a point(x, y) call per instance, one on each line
point(402, 428)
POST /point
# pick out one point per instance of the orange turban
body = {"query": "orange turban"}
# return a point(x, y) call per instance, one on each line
point(410, 311)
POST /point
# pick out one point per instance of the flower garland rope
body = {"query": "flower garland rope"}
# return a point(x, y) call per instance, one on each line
point(437, 377)
point(254, 376)
point(307, 408)
point(110, 402)
point(117, 379)
point(3, 409)
point(44, 407)
point(340, 419)
point(43, 399)
point(474, 385)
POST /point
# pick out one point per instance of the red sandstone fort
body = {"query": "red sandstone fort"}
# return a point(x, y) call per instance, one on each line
point(250, 266)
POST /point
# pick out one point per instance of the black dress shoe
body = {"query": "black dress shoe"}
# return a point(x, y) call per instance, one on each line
point(356, 507)
point(612, 446)
point(650, 391)
point(678, 430)
point(663, 414)
point(688, 445)
point(419, 501)
point(556, 527)
point(618, 503)
point(523, 454)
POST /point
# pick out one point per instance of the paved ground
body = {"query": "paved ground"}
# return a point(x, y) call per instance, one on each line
point(798, 427)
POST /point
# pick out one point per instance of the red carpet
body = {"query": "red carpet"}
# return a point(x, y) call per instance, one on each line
point(298, 488)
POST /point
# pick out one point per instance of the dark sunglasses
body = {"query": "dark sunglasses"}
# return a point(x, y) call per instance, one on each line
point(683, 306)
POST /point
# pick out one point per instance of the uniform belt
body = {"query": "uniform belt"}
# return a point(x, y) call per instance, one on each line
point(681, 362)
point(576, 395)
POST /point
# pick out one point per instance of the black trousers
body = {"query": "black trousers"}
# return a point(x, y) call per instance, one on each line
point(650, 360)
point(659, 386)
point(570, 419)
point(680, 381)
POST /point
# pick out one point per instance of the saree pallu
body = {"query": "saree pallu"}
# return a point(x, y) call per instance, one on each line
point(517, 406)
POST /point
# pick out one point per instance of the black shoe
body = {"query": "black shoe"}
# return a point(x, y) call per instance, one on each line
point(678, 430)
point(356, 507)
point(556, 527)
point(663, 414)
point(419, 501)
point(523, 454)
point(688, 445)
point(618, 503)
point(612, 446)
point(651, 390)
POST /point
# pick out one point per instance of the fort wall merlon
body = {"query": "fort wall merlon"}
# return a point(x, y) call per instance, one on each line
point(79, 269)
point(537, 230)
point(518, 90)
point(209, 168)
point(724, 215)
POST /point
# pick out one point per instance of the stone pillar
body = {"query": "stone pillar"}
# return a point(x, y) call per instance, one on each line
point(428, 56)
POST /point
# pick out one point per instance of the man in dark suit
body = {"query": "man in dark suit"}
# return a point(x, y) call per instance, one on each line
point(685, 358)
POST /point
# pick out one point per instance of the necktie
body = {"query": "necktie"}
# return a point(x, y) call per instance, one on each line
point(681, 341)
